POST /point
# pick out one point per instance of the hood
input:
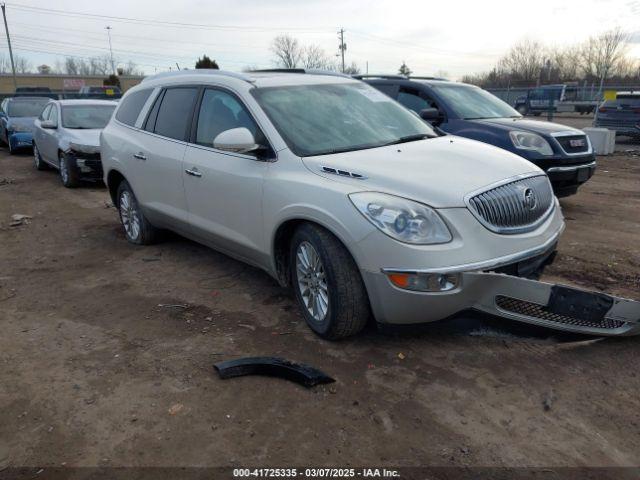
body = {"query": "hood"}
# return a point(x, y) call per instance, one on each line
point(438, 172)
point(83, 137)
point(542, 128)
point(26, 122)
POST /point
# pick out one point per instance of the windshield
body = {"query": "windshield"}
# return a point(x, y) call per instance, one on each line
point(323, 119)
point(86, 116)
point(471, 102)
point(26, 108)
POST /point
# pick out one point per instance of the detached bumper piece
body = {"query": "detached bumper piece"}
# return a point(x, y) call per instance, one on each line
point(553, 306)
point(273, 367)
point(89, 165)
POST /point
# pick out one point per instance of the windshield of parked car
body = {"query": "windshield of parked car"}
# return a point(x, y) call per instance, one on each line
point(474, 103)
point(86, 116)
point(26, 108)
point(333, 118)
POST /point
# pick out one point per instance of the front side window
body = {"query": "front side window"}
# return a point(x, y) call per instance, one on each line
point(174, 114)
point(412, 100)
point(474, 103)
point(24, 108)
point(131, 105)
point(45, 113)
point(53, 114)
point(332, 118)
point(86, 116)
point(220, 111)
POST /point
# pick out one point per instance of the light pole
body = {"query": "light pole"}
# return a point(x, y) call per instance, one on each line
point(113, 66)
point(13, 66)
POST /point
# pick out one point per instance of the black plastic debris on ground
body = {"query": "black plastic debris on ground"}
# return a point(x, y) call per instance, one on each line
point(274, 367)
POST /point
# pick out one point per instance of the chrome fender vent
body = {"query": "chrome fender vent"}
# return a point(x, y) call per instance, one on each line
point(343, 173)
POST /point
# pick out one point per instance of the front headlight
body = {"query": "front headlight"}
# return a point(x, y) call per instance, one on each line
point(402, 219)
point(530, 141)
point(79, 148)
point(19, 128)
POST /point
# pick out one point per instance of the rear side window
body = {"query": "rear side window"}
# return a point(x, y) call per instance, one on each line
point(131, 105)
point(174, 114)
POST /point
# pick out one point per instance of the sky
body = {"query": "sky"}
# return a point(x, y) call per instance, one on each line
point(453, 37)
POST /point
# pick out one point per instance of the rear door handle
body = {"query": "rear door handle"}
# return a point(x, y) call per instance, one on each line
point(140, 156)
point(193, 173)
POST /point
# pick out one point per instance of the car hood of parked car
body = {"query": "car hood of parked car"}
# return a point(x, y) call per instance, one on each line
point(541, 128)
point(89, 137)
point(14, 122)
point(438, 171)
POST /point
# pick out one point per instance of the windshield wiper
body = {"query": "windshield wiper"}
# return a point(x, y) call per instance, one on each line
point(409, 138)
point(343, 150)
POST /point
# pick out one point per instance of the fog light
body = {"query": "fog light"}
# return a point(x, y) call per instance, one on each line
point(425, 282)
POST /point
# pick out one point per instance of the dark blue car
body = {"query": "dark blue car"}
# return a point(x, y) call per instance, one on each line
point(17, 115)
point(564, 153)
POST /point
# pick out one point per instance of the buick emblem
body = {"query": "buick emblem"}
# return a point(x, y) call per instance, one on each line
point(529, 197)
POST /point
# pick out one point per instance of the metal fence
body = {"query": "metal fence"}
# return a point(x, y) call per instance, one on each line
point(585, 92)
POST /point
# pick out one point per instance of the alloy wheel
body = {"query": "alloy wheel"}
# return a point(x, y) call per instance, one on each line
point(36, 156)
point(129, 215)
point(312, 281)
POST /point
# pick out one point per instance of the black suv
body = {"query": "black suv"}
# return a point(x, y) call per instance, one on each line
point(564, 153)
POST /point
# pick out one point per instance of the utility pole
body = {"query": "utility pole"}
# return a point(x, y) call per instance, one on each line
point(342, 47)
point(113, 66)
point(13, 65)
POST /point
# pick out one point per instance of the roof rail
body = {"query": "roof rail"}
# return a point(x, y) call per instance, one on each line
point(428, 78)
point(310, 71)
point(207, 71)
point(360, 76)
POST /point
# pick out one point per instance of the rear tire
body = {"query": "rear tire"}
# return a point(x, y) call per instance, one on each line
point(327, 284)
point(137, 228)
point(68, 173)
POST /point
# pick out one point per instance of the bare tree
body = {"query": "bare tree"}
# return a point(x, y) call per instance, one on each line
point(71, 66)
point(287, 50)
point(602, 54)
point(314, 56)
point(22, 64)
point(352, 69)
point(524, 61)
point(5, 64)
point(566, 63)
point(130, 69)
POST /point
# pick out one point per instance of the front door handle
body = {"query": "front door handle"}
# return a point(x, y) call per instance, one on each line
point(194, 172)
point(140, 156)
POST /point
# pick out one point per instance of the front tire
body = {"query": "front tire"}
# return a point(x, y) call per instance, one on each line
point(137, 228)
point(327, 284)
point(37, 159)
point(68, 173)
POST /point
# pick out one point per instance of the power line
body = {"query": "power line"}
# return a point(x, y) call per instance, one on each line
point(163, 22)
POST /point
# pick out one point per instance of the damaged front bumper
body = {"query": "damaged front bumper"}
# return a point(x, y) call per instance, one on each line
point(506, 296)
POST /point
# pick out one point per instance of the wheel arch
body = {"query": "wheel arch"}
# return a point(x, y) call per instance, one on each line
point(114, 179)
point(281, 240)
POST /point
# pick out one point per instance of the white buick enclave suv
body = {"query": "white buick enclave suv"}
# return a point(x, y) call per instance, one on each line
point(342, 193)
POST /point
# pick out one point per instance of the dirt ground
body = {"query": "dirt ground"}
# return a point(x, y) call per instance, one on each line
point(98, 369)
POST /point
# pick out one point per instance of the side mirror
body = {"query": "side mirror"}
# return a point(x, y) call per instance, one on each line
point(430, 114)
point(48, 124)
point(238, 140)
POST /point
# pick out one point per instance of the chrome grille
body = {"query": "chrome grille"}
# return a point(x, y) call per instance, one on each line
point(514, 207)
